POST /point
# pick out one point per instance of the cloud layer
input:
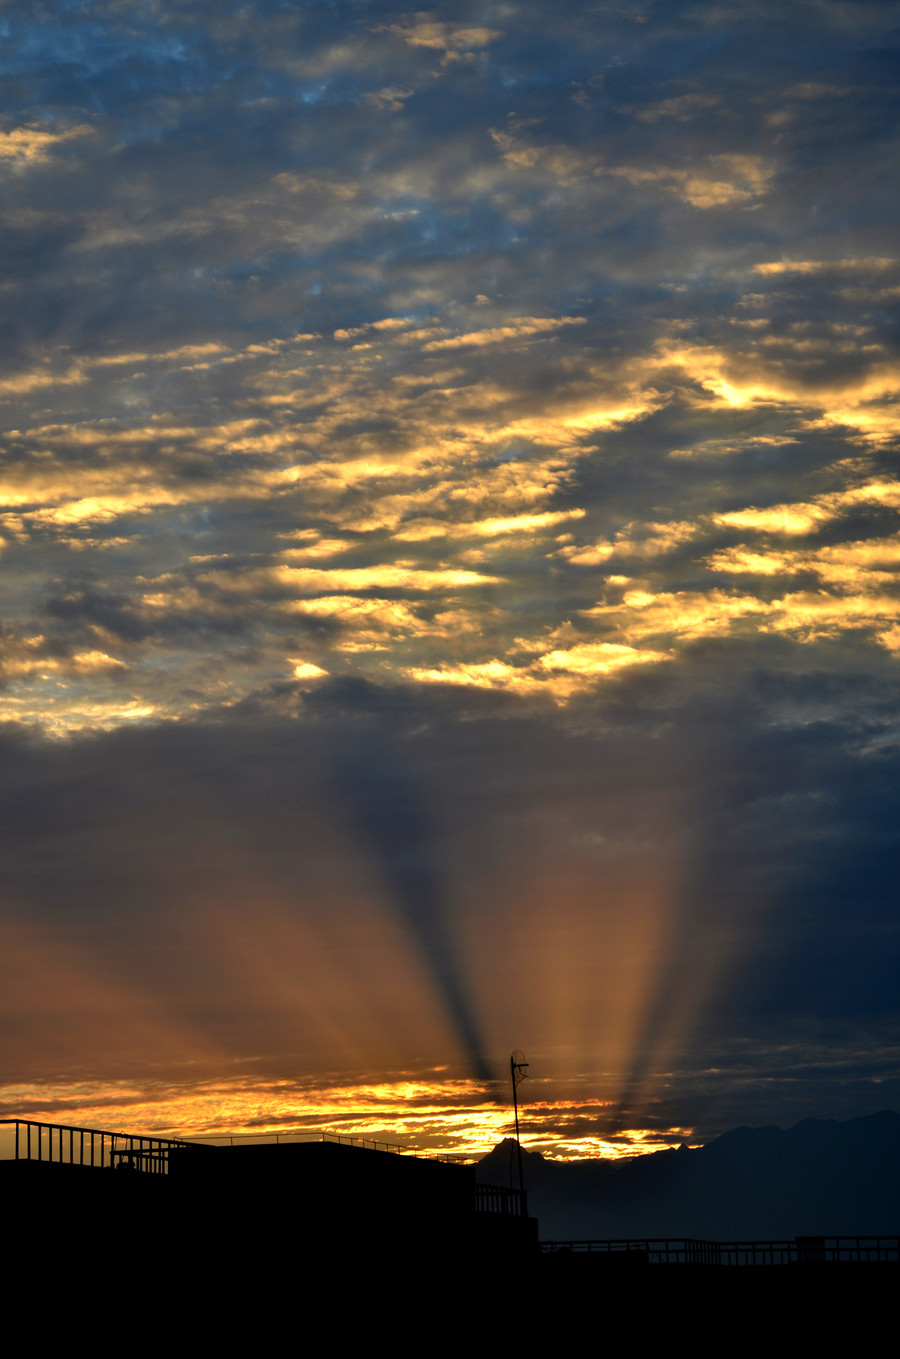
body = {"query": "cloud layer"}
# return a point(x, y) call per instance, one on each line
point(528, 374)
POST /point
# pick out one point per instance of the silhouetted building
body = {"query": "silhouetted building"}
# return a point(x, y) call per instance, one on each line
point(264, 1202)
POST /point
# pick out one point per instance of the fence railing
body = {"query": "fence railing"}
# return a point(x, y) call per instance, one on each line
point(495, 1198)
point(287, 1136)
point(29, 1140)
point(800, 1250)
point(24, 1139)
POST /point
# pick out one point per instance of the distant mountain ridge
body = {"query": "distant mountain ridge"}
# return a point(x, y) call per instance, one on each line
point(817, 1178)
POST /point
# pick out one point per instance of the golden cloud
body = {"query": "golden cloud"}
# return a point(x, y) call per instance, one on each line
point(516, 328)
point(318, 547)
point(306, 669)
point(865, 401)
point(559, 673)
point(867, 265)
point(21, 657)
point(633, 540)
point(803, 517)
point(433, 1112)
point(857, 565)
point(484, 675)
point(423, 530)
point(599, 658)
point(681, 616)
point(726, 180)
point(450, 39)
point(32, 142)
point(315, 581)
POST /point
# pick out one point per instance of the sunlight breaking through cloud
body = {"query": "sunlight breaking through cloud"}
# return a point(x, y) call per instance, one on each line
point(450, 534)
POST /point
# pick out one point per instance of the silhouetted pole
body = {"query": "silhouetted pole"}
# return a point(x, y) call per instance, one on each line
point(518, 1068)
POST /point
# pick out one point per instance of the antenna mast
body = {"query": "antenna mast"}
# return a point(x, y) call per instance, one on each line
point(518, 1070)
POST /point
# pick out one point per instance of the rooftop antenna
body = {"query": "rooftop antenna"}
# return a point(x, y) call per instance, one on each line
point(518, 1070)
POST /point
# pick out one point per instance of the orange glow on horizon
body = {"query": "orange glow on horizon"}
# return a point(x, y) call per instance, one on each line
point(442, 1116)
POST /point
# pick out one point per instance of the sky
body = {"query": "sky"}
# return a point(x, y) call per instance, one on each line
point(448, 588)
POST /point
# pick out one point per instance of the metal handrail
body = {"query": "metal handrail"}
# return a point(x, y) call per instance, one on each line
point(801, 1250)
point(496, 1198)
point(40, 1141)
point(64, 1144)
point(343, 1139)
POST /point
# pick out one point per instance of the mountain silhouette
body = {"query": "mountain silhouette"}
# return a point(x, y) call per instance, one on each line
point(820, 1177)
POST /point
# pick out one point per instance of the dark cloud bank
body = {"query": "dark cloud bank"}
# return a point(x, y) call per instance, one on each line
point(775, 994)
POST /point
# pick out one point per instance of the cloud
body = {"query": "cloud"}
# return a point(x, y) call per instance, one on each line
point(725, 180)
point(306, 669)
point(487, 528)
point(598, 658)
point(455, 42)
point(518, 326)
point(314, 580)
point(257, 875)
point(868, 266)
point(33, 143)
point(391, 98)
point(806, 517)
point(682, 107)
point(515, 403)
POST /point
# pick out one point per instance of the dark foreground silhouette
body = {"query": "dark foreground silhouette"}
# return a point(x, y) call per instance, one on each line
point(319, 1241)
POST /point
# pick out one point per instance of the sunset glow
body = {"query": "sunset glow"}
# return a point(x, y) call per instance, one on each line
point(450, 547)
point(441, 1115)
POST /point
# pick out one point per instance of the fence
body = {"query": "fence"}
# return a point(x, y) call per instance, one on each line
point(494, 1198)
point(800, 1250)
point(28, 1140)
point(343, 1139)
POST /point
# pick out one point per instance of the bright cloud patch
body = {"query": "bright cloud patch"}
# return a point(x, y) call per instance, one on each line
point(524, 401)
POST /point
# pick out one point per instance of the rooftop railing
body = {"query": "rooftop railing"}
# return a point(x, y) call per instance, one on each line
point(800, 1250)
point(288, 1136)
point(25, 1139)
point(494, 1198)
